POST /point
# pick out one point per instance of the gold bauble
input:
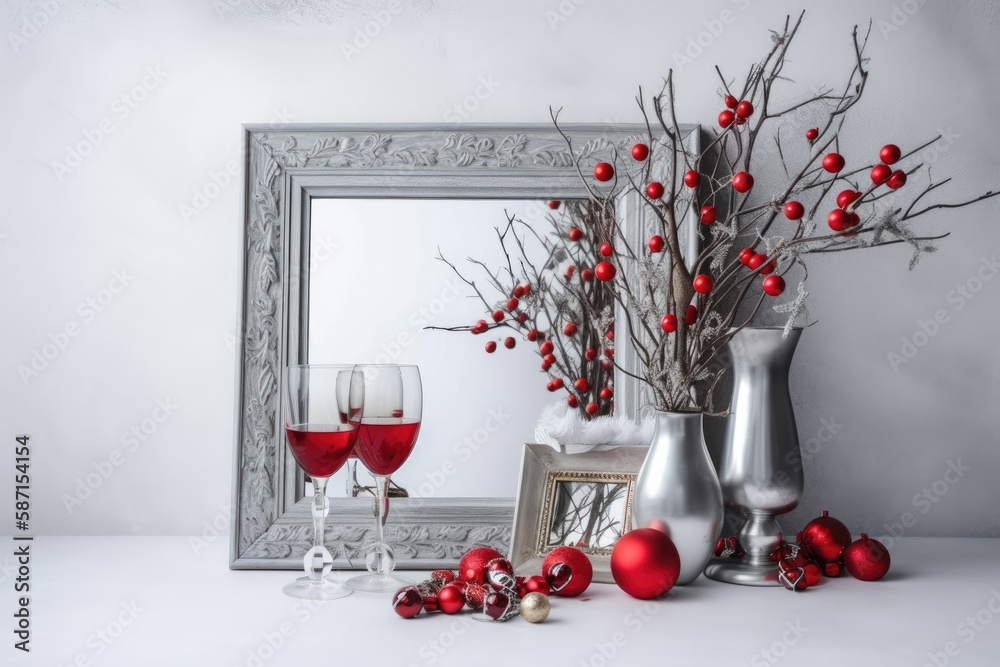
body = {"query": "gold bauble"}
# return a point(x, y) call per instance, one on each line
point(534, 607)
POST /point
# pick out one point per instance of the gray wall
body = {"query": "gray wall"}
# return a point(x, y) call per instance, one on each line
point(167, 334)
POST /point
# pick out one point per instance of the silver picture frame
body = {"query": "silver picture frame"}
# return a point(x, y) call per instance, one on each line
point(286, 167)
point(537, 511)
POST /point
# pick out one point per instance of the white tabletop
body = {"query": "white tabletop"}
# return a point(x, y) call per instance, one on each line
point(141, 601)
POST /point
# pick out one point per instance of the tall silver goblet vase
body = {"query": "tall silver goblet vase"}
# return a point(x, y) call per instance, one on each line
point(761, 468)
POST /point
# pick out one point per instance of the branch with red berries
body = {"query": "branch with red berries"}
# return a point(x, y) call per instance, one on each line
point(681, 312)
point(553, 291)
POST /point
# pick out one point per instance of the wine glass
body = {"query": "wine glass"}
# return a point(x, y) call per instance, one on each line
point(390, 422)
point(322, 414)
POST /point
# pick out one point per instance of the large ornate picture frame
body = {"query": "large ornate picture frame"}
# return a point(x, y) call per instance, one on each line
point(288, 166)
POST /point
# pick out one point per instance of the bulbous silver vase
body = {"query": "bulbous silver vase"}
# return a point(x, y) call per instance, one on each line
point(761, 466)
point(677, 490)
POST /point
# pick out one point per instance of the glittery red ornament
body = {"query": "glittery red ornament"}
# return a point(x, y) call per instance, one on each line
point(726, 118)
point(654, 190)
point(645, 563)
point(443, 576)
point(640, 152)
point(692, 178)
point(603, 171)
point(794, 210)
point(825, 539)
point(880, 174)
point(708, 214)
point(475, 595)
point(742, 182)
point(867, 559)
point(833, 162)
point(407, 602)
point(702, 283)
point(890, 154)
point(605, 271)
point(568, 571)
point(656, 243)
point(773, 285)
point(669, 323)
point(472, 567)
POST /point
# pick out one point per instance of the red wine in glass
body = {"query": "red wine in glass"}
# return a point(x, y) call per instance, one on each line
point(384, 443)
point(321, 449)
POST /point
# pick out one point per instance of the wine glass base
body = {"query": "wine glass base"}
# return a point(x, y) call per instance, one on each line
point(306, 588)
point(379, 583)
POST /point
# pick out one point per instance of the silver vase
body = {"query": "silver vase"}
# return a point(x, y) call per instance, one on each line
point(761, 470)
point(678, 489)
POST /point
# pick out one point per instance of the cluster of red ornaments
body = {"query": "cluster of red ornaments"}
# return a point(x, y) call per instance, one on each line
point(844, 217)
point(485, 581)
point(507, 311)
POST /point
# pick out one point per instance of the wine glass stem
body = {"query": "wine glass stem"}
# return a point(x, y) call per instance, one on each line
point(385, 564)
point(320, 507)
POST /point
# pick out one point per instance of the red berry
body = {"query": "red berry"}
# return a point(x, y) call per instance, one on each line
point(833, 162)
point(519, 291)
point(533, 335)
point(656, 243)
point(691, 314)
point(582, 385)
point(794, 210)
point(546, 348)
point(707, 214)
point(847, 197)
point(838, 220)
point(553, 203)
point(702, 283)
point(745, 255)
point(744, 109)
point(606, 249)
point(890, 154)
point(610, 335)
point(527, 288)
point(570, 329)
point(606, 364)
point(880, 174)
point(497, 315)
point(640, 152)
point(606, 394)
point(609, 353)
point(755, 261)
point(557, 383)
point(654, 190)
point(549, 359)
point(854, 219)
point(491, 346)
point(669, 323)
point(569, 271)
point(812, 133)
point(586, 275)
point(742, 181)
point(731, 101)
point(512, 303)
point(571, 399)
point(774, 285)
point(692, 178)
point(605, 271)
point(897, 180)
point(546, 365)
point(522, 317)
point(575, 234)
point(603, 171)
point(590, 354)
point(509, 342)
point(593, 409)
point(768, 268)
point(726, 118)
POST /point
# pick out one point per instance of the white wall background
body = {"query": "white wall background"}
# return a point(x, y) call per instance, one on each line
point(168, 334)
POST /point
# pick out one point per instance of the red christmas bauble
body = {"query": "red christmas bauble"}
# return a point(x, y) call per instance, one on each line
point(582, 385)
point(890, 154)
point(812, 133)
point(443, 576)
point(576, 580)
point(897, 180)
point(496, 605)
point(472, 567)
point(831, 570)
point(839, 220)
point(451, 598)
point(491, 347)
point(691, 314)
point(654, 190)
point(606, 393)
point(731, 101)
point(702, 283)
point(744, 109)
point(825, 539)
point(603, 171)
point(745, 255)
point(645, 563)
point(592, 408)
point(692, 178)
point(867, 559)
point(575, 234)
point(407, 602)
point(572, 401)
point(742, 182)
point(570, 329)
point(847, 197)
point(605, 271)
point(726, 118)
point(656, 243)
point(880, 174)
point(640, 152)
point(707, 214)
point(537, 584)
point(774, 285)
point(500, 574)
point(813, 573)
point(606, 249)
point(794, 210)
point(669, 323)
point(833, 162)
point(475, 595)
